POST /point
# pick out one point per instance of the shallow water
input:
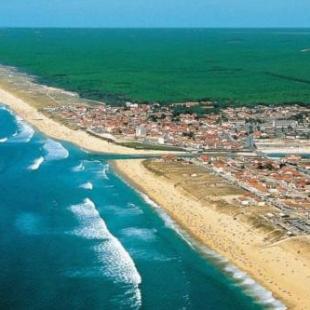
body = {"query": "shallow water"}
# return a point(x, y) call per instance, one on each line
point(73, 235)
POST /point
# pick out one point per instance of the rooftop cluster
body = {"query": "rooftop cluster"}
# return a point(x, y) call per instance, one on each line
point(231, 129)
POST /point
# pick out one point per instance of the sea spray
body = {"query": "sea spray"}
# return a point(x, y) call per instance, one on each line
point(97, 167)
point(254, 289)
point(36, 163)
point(105, 171)
point(24, 132)
point(49, 235)
point(250, 287)
point(87, 185)
point(55, 150)
point(118, 264)
point(79, 168)
point(142, 234)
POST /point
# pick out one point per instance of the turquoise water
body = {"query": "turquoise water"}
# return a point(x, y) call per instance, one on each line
point(73, 235)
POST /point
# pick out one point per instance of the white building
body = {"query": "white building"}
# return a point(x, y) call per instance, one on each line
point(140, 131)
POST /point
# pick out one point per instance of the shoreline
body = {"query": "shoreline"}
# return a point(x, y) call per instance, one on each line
point(238, 242)
point(246, 283)
point(167, 196)
point(56, 130)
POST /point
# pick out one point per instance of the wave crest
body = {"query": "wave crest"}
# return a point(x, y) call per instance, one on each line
point(55, 150)
point(24, 132)
point(117, 263)
point(110, 252)
point(36, 163)
point(87, 185)
point(80, 167)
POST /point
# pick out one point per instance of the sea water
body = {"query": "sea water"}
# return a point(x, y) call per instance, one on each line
point(73, 235)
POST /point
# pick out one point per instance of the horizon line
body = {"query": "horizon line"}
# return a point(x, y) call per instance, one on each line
point(155, 27)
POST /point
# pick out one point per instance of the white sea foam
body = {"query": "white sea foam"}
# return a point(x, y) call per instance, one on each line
point(24, 132)
point(105, 171)
point(130, 210)
point(117, 263)
point(169, 222)
point(36, 163)
point(109, 186)
point(305, 50)
point(54, 150)
point(144, 234)
point(254, 289)
point(100, 169)
point(87, 185)
point(79, 168)
point(4, 108)
point(250, 286)
point(3, 140)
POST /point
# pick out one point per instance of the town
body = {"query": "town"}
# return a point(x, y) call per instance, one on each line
point(244, 146)
point(235, 129)
point(229, 143)
point(269, 182)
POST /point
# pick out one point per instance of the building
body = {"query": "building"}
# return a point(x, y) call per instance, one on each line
point(140, 132)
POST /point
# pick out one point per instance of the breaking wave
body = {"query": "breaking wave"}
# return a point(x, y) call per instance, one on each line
point(3, 140)
point(55, 150)
point(36, 163)
point(79, 168)
point(105, 171)
point(143, 234)
point(130, 210)
point(24, 132)
point(87, 185)
point(98, 168)
point(117, 263)
point(164, 216)
point(251, 287)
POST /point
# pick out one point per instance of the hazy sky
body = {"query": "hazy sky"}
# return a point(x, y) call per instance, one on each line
point(155, 13)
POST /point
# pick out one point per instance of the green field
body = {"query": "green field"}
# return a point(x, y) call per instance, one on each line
point(168, 65)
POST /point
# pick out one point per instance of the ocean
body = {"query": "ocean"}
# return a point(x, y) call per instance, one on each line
point(235, 66)
point(74, 235)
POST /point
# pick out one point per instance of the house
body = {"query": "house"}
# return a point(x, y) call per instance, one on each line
point(140, 131)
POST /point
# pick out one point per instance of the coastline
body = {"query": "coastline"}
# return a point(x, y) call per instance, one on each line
point(59, 131)
point(231, 240)
point(278, 267)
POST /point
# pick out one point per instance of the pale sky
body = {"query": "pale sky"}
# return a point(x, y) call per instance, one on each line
point(154, 13)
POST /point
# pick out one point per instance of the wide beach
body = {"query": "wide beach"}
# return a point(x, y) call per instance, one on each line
point(58, 131)
point(278, 267)
point(283, 268)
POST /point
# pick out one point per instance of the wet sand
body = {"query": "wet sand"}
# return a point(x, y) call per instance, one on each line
point(283, 267)
point(280, 268)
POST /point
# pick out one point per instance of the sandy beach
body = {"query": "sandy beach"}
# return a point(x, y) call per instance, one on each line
point(56, 130)
point(282, 267)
